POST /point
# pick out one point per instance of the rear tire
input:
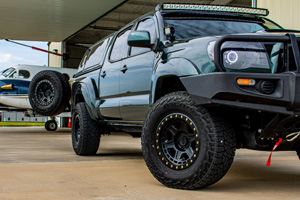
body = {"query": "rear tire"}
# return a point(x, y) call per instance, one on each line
point(184, 145)
point(85, 131)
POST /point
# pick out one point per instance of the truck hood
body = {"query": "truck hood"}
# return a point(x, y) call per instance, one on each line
point(195, 50)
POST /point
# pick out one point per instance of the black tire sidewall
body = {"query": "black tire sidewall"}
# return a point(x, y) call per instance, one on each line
point(216, 145)
point(75, 114)
point(48, 125)
point(59, 86)
point(89, 141)
point(153, 123)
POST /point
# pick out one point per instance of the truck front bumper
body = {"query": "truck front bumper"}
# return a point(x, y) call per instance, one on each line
point(278, 93)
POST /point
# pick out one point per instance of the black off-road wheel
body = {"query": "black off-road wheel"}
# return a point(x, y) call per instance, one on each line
point(186, 146)
point(85, 131)
point(51, 125)
point(49, 93)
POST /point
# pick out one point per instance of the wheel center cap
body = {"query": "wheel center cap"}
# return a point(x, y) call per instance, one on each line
point(183, 141)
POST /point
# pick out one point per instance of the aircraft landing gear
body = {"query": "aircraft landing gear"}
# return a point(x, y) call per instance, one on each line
point(51, 125)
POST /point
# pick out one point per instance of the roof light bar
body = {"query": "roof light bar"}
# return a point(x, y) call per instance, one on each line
point(217, 8)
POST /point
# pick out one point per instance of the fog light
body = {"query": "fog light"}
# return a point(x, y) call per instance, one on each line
point(267, 87)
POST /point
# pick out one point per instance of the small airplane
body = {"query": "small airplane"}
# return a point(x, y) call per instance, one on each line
point(14, 88)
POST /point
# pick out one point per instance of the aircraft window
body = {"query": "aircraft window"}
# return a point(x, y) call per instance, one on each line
point(13, 75)
point(24, 74)
point(8, 71)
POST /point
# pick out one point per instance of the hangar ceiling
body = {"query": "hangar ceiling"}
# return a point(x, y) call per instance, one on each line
point(75, 45)
point(77, 23)
point(49, 20)
point(125, 13)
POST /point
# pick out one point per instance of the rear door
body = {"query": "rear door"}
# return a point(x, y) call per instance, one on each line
point(109, 77)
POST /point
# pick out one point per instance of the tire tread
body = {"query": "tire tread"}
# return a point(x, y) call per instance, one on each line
point(220, 155)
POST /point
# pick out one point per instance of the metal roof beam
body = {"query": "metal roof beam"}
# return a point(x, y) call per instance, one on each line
point(221, 2)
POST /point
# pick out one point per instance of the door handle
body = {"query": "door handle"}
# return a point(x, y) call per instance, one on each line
point(125, 68)
point(103, 74)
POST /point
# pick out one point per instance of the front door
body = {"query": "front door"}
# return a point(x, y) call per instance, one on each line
point(135, 77)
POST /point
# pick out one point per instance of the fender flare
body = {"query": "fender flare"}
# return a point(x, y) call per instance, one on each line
point(176, 66)
point(88, 90)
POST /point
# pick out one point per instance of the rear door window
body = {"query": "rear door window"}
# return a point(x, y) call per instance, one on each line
point(120, 46)
point(96, 54)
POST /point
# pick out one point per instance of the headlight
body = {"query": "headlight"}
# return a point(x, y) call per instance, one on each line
point(242, 56)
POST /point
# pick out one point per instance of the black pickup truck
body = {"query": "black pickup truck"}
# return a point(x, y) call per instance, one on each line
point(195, 82)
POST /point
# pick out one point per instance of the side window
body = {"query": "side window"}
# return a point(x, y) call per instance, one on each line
point(96, 54)
point(24, 74)
point(120, 46)
point(13, 75)
point(83, 60)
point(8, 71)
point(145, 25)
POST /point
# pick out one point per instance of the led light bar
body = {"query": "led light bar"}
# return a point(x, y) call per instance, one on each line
point(216, 8)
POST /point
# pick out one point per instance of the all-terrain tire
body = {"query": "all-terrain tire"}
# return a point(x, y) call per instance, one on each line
point(186, 146)
point(49, 93)
point(85, 131)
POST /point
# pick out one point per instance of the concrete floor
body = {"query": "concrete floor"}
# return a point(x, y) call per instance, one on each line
point(35, 164)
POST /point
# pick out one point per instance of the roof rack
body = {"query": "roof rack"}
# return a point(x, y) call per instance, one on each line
point(214, 8)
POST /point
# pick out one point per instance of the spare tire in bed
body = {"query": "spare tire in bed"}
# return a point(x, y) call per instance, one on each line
point(49, 93)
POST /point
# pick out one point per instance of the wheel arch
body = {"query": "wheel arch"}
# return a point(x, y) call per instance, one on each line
point(166, 78)
point(84, 91)
point(165, 85)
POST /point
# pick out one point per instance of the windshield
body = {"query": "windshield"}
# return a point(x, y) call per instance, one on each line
point(190, 28)
point(7, 71)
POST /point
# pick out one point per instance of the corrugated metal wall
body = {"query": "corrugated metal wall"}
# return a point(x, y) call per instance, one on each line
point(284, 12)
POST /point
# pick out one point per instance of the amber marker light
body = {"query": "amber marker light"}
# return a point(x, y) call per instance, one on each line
point(246, 81)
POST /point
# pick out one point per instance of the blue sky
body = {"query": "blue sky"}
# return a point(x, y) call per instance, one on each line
point(12, 54)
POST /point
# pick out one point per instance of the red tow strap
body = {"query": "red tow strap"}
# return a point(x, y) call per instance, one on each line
point(275, 146)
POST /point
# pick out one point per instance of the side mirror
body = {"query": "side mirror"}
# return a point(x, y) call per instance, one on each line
point(139, 39)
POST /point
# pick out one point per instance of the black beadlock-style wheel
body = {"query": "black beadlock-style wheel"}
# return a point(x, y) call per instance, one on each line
point(51, 125)
point(177, 141)
point(186, 146)
point(85, 131)
point(49, 93)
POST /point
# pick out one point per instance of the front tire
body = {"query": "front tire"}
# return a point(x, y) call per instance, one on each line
point(85, 131)
point(184, 145)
